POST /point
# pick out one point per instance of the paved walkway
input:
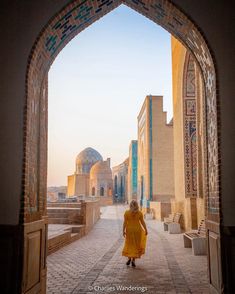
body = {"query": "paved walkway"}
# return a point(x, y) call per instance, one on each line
point(94, 263)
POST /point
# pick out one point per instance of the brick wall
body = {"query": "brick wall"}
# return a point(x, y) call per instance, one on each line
point(91, 213)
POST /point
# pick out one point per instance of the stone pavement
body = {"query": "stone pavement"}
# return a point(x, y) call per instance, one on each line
point(93, 264)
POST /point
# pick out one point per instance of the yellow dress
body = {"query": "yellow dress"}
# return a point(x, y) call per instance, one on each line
point(135, 240)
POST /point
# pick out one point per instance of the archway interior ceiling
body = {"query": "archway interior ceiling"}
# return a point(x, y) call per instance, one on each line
point(74, 18)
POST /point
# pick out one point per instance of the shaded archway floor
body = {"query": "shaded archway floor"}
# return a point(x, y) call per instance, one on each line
point(93, 264)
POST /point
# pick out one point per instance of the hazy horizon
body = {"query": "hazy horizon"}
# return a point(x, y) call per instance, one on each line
point(98, 84)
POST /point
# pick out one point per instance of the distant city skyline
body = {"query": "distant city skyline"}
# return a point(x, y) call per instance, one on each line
point(98, 84)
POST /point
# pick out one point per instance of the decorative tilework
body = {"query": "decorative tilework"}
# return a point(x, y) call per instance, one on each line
point(190, 107)
point(174, 21)
point(190, 86)
point(134, 166)
point(86, 159)
point(75, 17)
point(194, 167)
point(189, 118)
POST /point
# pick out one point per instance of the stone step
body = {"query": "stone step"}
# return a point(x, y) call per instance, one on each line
point(74, 235)
point(58, 221)
point(78, 228)
point(64, 215)
point(64, 205)
point(57, 215)
point(63, 209)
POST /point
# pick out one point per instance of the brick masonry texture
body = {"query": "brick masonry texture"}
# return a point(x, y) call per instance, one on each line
point(94, 264)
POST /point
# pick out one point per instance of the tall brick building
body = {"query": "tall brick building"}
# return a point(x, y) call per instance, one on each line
point(155, 153)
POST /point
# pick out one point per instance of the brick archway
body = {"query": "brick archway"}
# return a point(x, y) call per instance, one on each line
point(65, 25)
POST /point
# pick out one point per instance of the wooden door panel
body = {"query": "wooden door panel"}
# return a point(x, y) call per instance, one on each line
point(34, 257)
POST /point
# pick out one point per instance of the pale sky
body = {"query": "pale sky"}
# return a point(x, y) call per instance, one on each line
point(97, 85)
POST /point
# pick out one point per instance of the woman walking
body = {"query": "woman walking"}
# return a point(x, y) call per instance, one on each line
point(135, 233)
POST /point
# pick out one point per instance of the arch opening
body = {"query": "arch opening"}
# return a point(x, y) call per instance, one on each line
point(61, 29)
point(54, 38)
point(101, 191)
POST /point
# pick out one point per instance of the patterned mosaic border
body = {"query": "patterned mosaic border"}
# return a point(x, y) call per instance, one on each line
point(75, 17)
point(134, 165)
point(190, 129)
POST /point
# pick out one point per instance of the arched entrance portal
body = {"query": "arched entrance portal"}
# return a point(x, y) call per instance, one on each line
point(66, 24)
